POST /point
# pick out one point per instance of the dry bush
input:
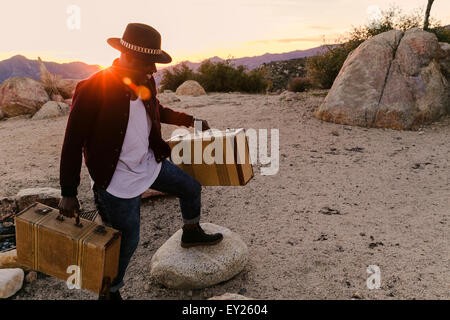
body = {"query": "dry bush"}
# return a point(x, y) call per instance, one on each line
point(299, 84)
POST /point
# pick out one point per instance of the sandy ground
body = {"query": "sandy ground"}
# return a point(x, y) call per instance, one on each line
point(392, 196)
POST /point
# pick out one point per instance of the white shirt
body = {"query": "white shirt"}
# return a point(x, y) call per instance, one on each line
point(137, 168)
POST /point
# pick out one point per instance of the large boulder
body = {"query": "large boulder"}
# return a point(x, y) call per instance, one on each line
point(52, 109)
point(392, 80)
point(190, 88)
point(19, 96)
point(199, 267)
point(47, 196)
point(11, 280)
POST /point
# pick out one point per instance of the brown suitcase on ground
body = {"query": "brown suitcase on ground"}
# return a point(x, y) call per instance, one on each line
point(50, 245)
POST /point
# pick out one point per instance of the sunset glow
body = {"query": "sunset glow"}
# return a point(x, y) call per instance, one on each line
point(191, 30)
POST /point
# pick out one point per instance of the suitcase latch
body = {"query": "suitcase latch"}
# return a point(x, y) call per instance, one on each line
point(43, 211)
point(100, 230)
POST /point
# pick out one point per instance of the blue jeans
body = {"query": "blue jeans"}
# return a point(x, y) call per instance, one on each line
point(124, 214)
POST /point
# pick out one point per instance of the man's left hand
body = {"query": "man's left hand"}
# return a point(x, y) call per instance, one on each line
point(205, 125)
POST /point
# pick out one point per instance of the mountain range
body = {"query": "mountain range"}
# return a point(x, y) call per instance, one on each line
point(20, 66)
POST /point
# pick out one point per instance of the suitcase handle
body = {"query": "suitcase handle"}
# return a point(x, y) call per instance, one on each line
point(61, 218)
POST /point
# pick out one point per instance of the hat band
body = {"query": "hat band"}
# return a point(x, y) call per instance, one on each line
point(139, 49)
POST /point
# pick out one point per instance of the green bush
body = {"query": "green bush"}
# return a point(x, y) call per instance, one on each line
point(217, 77)
point(322, 69)
point(299, 84)
point(171, 80)
point(442, 34)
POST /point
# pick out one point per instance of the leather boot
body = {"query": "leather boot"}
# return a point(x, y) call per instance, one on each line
point(194, 235)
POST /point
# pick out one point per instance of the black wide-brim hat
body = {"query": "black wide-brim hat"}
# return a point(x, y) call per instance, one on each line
point(141, 41)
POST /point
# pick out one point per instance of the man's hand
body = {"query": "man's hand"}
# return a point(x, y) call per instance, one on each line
point(68, 206)
point(205, 125)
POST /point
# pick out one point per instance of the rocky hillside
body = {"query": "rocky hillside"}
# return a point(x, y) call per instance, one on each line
point(19, 66)
point(279, 72)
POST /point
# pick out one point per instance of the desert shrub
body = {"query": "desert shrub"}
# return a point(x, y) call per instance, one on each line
point(224, 77)
point(172, 79)
point(442, 34)
point(322, 69)
point(299, 84)
point(253, 81)
point(216, 77)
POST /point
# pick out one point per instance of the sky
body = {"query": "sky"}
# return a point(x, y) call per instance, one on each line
point(76, 30)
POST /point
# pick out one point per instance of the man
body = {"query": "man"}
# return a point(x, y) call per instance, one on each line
point(115, 122)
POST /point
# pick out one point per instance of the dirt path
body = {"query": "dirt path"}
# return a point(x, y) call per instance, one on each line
point(344, 198)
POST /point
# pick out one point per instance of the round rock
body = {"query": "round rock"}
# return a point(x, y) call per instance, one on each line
point(52, 109)
point(199, 267)
point(190, 88)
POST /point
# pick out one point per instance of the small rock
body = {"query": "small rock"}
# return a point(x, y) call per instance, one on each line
point(357, 295)
point(288, 96)
point(167, 98)
point(47, 196)
point(373, 245)
point(57, 98)
point(31, 277)
point(230, 296)
point(355, 149)
point(322, 237)
point(147, 287)
point(11, 280)
point(329, 211)
point(52, 109)
point(335, 133)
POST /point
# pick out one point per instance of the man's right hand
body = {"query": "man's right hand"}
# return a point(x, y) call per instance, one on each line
point(68, 206)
